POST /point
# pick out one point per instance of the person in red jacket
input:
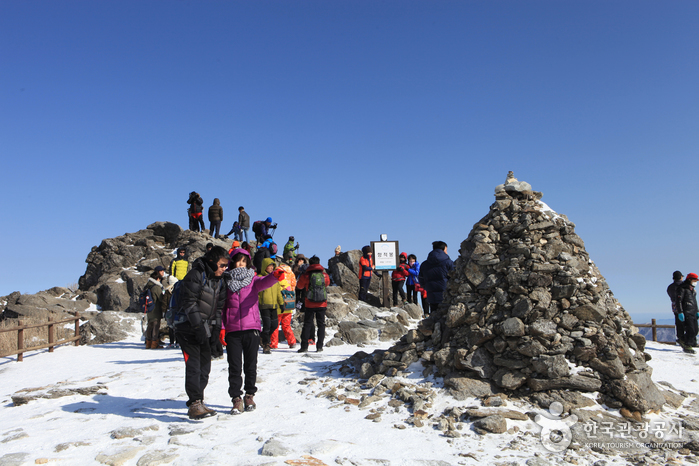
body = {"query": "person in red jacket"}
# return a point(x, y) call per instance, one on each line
point(315, 282)
point(398, 278)
point(366, 267)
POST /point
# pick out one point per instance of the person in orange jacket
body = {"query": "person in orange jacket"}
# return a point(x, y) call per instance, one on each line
point(284, 315)
point(315, 281)
point(366, 267)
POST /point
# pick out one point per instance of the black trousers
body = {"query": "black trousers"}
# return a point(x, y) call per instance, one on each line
point(241, 351)
point(215, 342)
point(215, 229)
point(310, 313)
point(690, 329)
point(270, 323)
point(679, 329)
point(364, 288)
point(197, 361)
point(398, 288)
point(412, 294)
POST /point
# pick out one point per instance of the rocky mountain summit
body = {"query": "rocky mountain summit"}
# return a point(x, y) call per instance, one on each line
point(527, 312)
point(119, 267)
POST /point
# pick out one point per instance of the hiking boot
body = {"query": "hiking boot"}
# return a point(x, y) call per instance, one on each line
point(319, 350)
point(249, 403)
point(689, 349)
point(197, 410)
point(266, 350)
point(238, 406)
point(212, 412)
point(292, 346)
point(302, 350)
point(148, 342)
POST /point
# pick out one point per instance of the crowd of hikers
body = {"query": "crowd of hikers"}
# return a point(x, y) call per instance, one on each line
point(238, 299)
point(683, 295)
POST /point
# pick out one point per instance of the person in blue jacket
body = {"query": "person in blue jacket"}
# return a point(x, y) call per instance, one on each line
point(412, 280)
point(433, 275)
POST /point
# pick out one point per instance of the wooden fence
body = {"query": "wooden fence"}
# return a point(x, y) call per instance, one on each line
point(52, 336)
point(654, 332)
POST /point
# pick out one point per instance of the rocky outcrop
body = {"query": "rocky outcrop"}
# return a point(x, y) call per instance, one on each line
point(118, 268)
point(344, 270)
point(56, 303)
point(526, 310)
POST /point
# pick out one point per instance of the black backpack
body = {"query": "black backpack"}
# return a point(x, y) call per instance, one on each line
point(257, 227)
point(175, 314)
point(316, 288)
point(145, 300)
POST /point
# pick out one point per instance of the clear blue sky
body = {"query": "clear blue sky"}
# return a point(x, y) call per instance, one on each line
point(346, 119)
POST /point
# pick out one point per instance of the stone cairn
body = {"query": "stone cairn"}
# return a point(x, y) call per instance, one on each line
point(526, 312)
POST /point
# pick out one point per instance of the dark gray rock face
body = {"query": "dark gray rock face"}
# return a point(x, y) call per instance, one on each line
point(119, 267)
point(527, 310)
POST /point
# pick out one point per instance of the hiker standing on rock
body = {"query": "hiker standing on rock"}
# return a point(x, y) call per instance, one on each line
point(243, 223)
point(412, 281)
point(154, 316)
point(315, 282)
point(672, 293)
point(398, 277)
point(202, 296)
point(241, 327)
point(196, 207)
point(366, 267)
point(434, 272)
point(290, 250)
point(180, 266)
point(686, 305)
point(215, 218)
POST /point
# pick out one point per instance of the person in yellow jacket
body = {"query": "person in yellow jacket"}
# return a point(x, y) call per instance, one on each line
point(288, 285)
point(180, 265)
point(270, 300)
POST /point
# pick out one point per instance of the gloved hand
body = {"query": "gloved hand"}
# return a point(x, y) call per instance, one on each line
point(297, 246)
point(278, 274)
point(681, 316)
point(200, 335)
point(222, 336)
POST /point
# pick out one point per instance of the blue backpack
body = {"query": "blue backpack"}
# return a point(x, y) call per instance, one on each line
point(145, 300)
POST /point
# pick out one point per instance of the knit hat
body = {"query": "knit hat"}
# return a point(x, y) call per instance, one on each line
point(160, 268)
point(677, 275)
point(692, 276)
point(269, 219)
point(291, 238)
point(366, 249)
point(235, 244)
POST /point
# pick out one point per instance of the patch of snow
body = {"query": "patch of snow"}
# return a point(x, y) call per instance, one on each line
point(552, 214)
point(119, 280)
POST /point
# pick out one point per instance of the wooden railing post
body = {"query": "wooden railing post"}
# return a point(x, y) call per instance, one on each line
point(77, 328)
point(51, 335)
point(20, 341)
point(654, 330)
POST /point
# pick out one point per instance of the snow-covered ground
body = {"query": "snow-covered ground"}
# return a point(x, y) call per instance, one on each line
point(138, 416)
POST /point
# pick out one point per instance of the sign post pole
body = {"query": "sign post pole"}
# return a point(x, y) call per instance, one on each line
point(385, 259)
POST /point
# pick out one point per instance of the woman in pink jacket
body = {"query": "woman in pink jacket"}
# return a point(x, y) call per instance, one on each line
point(241, 326)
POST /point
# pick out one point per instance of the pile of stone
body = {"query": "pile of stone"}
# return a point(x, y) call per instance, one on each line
point(527, 312)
